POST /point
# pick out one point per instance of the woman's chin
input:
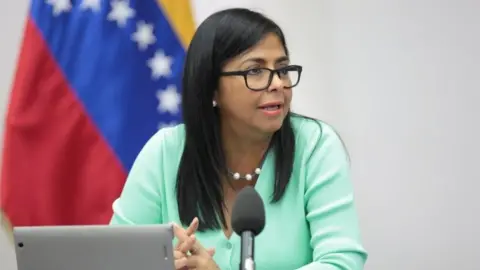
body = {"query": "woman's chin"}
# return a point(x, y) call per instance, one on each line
point(271, 127)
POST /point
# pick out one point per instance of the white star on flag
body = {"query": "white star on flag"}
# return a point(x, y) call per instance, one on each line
point(160, 65)
point(169, 100)
point(120, 13)
point(94, 5)
point(144, 35)
point(60, 6)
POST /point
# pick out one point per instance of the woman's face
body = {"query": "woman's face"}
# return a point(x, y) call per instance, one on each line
point(261, 111)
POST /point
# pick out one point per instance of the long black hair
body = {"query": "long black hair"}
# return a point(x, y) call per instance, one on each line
point(222, 36)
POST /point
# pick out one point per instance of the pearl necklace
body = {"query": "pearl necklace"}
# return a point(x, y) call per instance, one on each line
point(248, 176)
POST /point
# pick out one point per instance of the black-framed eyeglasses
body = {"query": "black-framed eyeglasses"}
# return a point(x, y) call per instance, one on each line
point(258, 79)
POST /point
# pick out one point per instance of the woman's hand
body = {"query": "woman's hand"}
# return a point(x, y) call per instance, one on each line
point(187, 242)
point(180, 252)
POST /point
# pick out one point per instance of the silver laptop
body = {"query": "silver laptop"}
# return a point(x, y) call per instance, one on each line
point(146, 247)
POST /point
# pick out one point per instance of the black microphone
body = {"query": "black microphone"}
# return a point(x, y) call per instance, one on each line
point(248, 221)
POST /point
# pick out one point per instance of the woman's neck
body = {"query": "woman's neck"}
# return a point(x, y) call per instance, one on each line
point(244, 151)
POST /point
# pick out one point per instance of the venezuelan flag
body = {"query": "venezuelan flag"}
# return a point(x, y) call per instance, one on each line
point(94, 81)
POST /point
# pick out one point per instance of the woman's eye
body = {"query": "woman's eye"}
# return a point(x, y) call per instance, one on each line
point(254, 71)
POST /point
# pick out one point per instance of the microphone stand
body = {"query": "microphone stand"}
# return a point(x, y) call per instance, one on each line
point(247, 251)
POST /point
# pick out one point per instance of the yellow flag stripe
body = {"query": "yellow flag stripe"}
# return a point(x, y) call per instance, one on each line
point(179, 14)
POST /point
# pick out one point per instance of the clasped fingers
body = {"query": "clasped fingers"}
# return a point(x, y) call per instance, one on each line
point(201, 262)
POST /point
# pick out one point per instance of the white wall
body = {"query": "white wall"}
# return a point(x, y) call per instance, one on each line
point(12, 17)
point(400, 80)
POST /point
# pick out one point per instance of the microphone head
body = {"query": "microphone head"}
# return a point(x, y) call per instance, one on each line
point(248, 213)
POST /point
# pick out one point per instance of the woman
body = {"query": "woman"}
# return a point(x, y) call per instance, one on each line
point(238, 131)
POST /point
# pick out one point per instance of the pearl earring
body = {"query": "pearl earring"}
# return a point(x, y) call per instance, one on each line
point(214, 103)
